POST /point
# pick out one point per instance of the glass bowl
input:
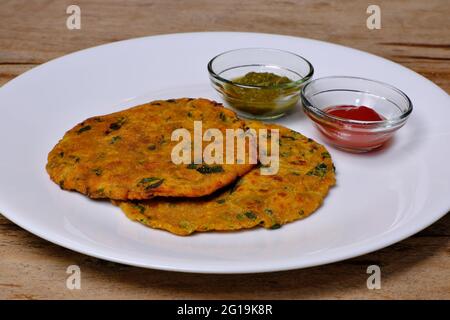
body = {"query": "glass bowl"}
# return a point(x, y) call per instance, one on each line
point(259, 101)
point(390, 103)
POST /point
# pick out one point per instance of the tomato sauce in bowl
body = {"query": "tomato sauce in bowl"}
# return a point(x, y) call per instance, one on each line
point(353, 137)
point(361, 113)
point(355, 114)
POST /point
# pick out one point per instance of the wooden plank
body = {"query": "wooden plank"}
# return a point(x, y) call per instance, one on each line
point(416, 268)
point(35, 32)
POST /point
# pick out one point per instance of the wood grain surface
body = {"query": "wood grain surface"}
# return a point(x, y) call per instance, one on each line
point(414, 33)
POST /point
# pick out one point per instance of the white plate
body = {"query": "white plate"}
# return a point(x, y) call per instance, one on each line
point(380, 198)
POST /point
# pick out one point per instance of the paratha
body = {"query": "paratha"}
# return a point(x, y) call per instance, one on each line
point(306, 172)
point(127, 154)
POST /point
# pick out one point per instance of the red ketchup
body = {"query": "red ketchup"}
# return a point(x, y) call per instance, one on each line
point(352, 136)
point(361, 113)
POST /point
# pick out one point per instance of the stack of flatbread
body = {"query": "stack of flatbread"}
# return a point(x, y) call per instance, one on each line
point(127, 157)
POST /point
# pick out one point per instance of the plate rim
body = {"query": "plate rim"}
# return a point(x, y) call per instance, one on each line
point(174, 34)
point(242, 270)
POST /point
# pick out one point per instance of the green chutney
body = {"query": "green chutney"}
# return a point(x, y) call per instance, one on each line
point(267, 94)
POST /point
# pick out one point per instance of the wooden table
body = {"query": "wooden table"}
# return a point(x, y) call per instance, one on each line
point(414, 34)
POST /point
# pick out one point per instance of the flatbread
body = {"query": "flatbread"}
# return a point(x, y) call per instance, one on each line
point(127, 154)
point(306, 172)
